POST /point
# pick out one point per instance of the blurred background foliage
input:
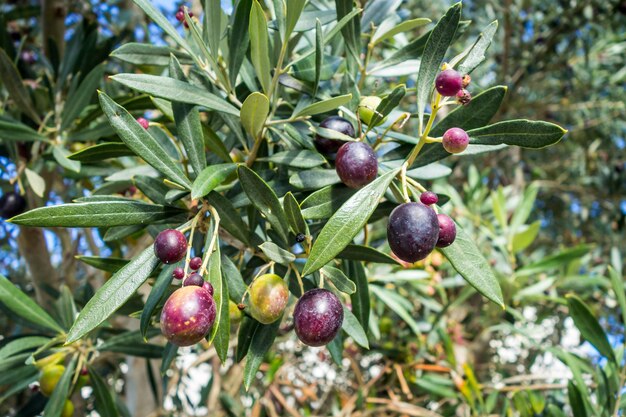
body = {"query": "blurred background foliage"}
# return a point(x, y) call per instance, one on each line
point(549, 221)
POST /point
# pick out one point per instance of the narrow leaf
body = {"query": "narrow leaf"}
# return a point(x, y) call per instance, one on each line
point(354, 329)
point(324, 106)
point(339, 279)
point(260, 344)
point(297, 158)
point(22, 305)
point(259, 45)
point(294, 215)
point(105, 405)
point(141, 142)
point(15, 86)
point(524, 133)
point(434, 52)
point(101, 151)
point(476, 54)
point(54, 406)
point(589, 327)
point(210, 178)
point(346, 223)
point(466, 258)
point(277, 254)
point(76, 102)
point(157, 293)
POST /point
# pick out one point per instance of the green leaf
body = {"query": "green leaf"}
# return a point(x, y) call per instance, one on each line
point(434, 52)
point(14, 131)
point(331, 134)
point(105, 405)
point(236, 286)
point(158, 18)
point(554, 261)
point(36, 182)
point(294, 9)
point(408, 53)
point(324, 106)
point(141, 142)
point(339, 279)
point(174, 90)
point(319, 55)
point(101, 151)
point(188, 125)
point(238, 40)
point(476, 54)
point(213, 25)
point(229, 216)
point(220, 333)
point(54, 406)
point(365, 253)
point(61, 154)
point(65, 307)
point(81, 97)
point(157, 293)
point(153, 188)
point(210, 178)
point(314, 179)
point(524, 133)
point(254, 112)
point(323, 203)
point(131, 343)
point(477, 113)
point(105, 213)
point(260, 344)
point(215, 144)
point(276, 254)
point(589, 327)
point(346, 223)
point(294, 215)
point(297, 158)
point(388, 104)
point(354, 329)
point(147, 54)
point(169, 354)
point(22, 344)
point(104, 264)
point(523, 210)
point(523, 239)
point(335, 347)
point(263, 198)
point(22, 305)
point(466, 258)
point(576, 402)
point(259, 45)
point(13, 83)
point(113, 294)
point(351, 31)
point(398, 28)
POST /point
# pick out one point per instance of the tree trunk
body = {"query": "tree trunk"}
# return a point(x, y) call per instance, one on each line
point(53, 14)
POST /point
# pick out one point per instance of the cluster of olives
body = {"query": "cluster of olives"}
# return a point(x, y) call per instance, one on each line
point(51, 374)
point(189, 313)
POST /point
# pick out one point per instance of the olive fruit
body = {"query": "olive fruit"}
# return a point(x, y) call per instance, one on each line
point(170, 246)
point(11, 204)
point(195, 263)
point(68, 409)
point(50, 378)
point(187, 315)
point(194, 279)
point(356, 164)
point(429, 198)
point(318, 317)
point(455, 140)
point(367, 109)
point(339, 124)
point(447, 231)
point(412, 231)
point(268, 298)
point(448, 82)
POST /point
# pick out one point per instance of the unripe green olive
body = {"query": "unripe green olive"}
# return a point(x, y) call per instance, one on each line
point(68, 409)
point(268, 298)
point(367, 109)
point(235, 314)
point(50, 378)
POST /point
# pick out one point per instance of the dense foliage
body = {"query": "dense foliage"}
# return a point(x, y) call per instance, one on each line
point(209, 196)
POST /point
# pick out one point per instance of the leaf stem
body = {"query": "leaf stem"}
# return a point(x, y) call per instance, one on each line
point(424, 135)
point(214, 239)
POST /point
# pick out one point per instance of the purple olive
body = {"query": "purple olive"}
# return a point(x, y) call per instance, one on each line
point(170, 246)
point(318, 317)
point(455, 140)
point(412, 231)
point(447, 231)
point(339, 124)
point(356, 164)
point(448, 82)
point(187, 315)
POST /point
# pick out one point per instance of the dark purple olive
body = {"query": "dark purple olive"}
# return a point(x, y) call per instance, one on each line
point(11, 204)
point(170, 246)
point(447, 231)
point(318, 317)
point(412, 231)
point(338, 124)
point(356, 164)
